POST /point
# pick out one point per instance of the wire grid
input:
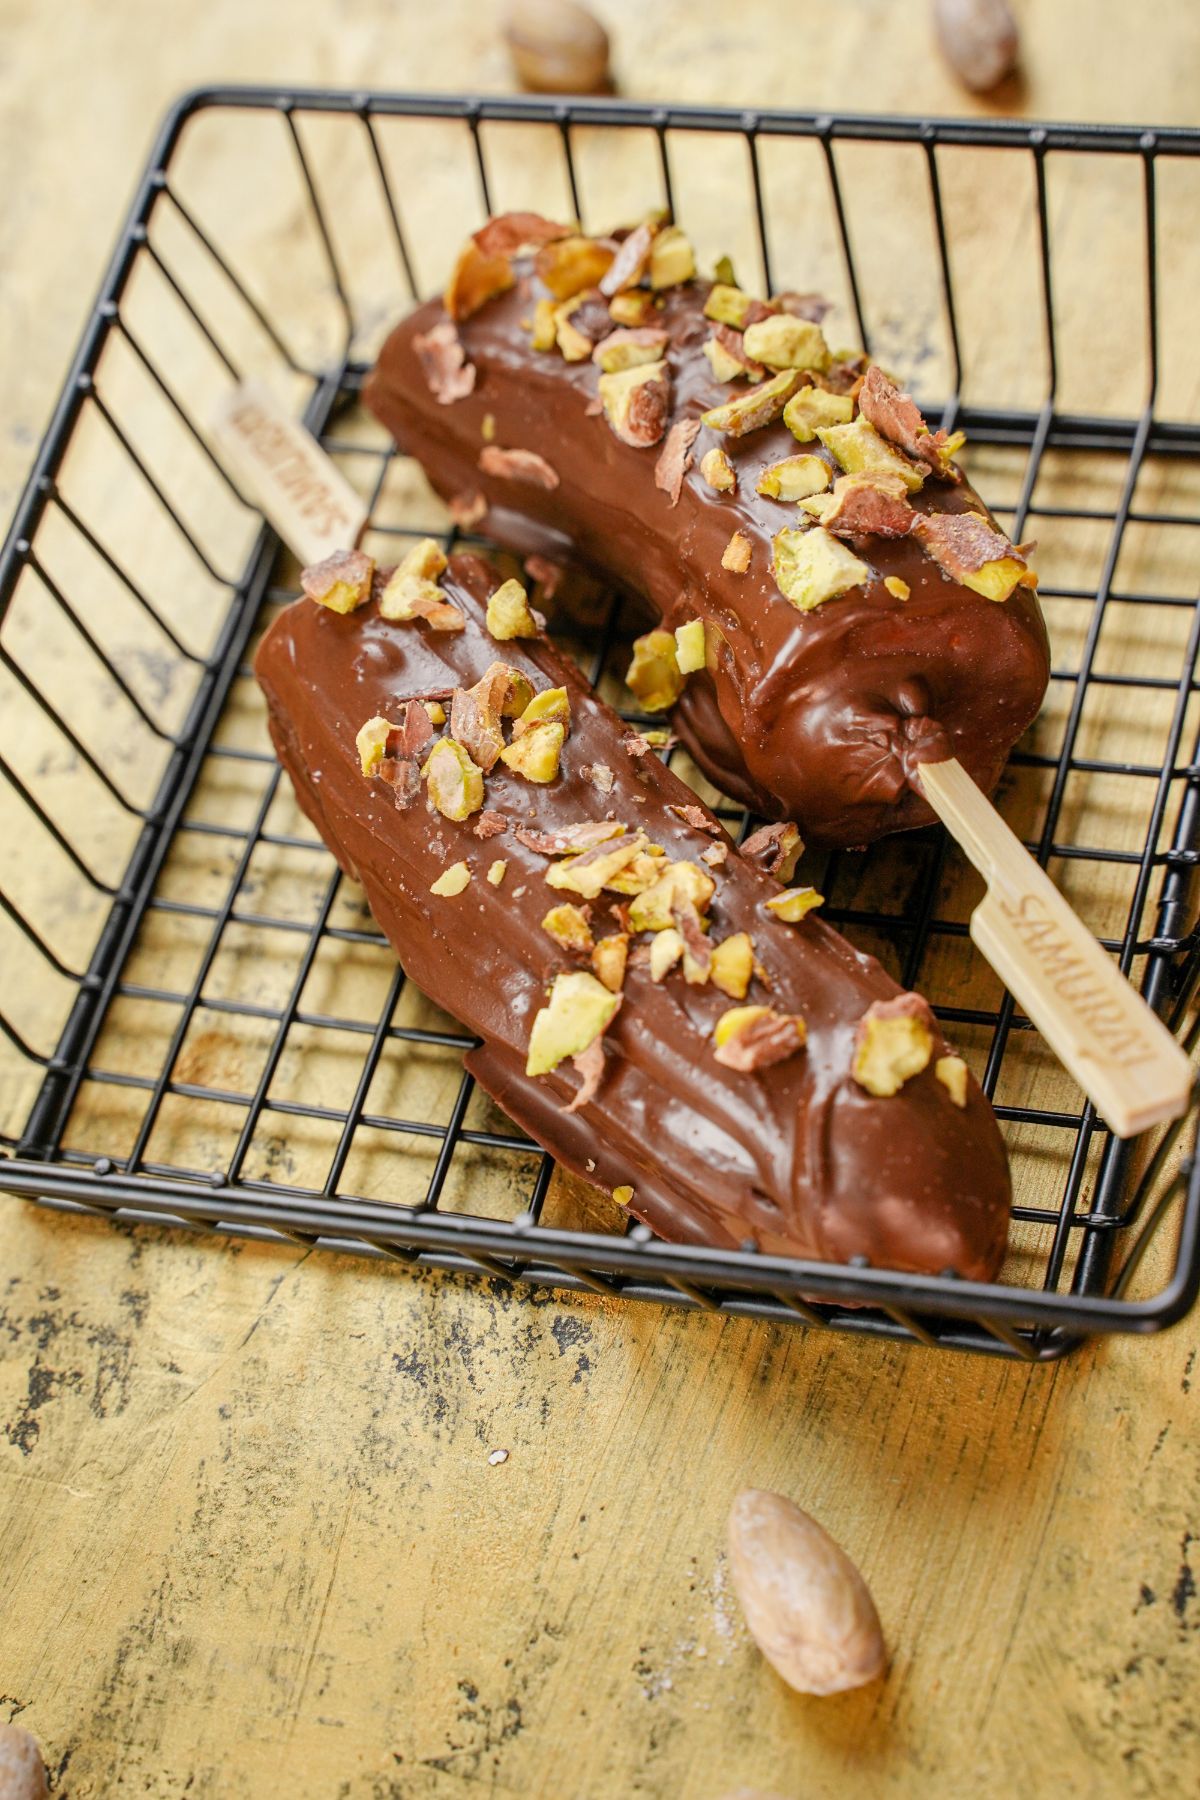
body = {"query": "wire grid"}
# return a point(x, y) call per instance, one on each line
point(1105, 1197)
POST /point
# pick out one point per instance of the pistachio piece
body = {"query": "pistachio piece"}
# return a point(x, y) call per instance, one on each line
point(474, 280)
point(794, 904)
point(679, 883)
point(811, 567)
point(455, 784)
point(436, 711)
point(413, 597)
point(724, 365)
point(633, 308)
point(653, 675)
point(861, 451)
point(452, 880)
point(689, 646)
point(425, 561)
point(568, 925)
point(811, 407)
point(672, 259)
point(732, 965)
point(997, 580)
point(970, 550)
point(736, 554)
point(718, 471)
point(782, 341)
point(727, 304)
point(896, 587)
point(665, 952)
point(475, 717)
point(519, 696)
point(629, 264)
point(609, 959)
point(635, 877)
point(951, 1071)
point(749, 1038)
point(597, 868)
point(580, 1009)
point(753, 410)
point(629, 349)
point(807, 1607)
point(623, 1195)
point(342, 582)
point(570, 264)
point(575, 345)
point(536, 754)
point(497, 871)
point(508, 614)
point(545, 327)
point(551, 707)
point(371, 743)
point(635, 402)
point(894, 1042)
point(777, 848)
point(794, 478)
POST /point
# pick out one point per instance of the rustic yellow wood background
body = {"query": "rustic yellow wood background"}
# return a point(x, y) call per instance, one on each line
point(250, 1539)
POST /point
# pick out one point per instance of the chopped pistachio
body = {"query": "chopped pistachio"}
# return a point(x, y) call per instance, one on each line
point(551, 707)
point(653, 675)
point(452, 880)
point(508, 614)
point(617, 394)
point(579, 1010)
point(736, 554)
point(342, 582)
point(545, 326)
point(727, 304)
point(812, 407)
point(487, 428)
point(718, 471)
point(575, 346)
point(689, 646)
point(455, 784)
point(425, 561)
point(497, 872)
point(782, 341)
point(748, 1038)
point(997, 579)
point(371, 743)
point(517, 697)
point(536, 754)
point(817, 506)
point(633, 308)
point(794, 904)
point(568, 925)
point(723, 271)
point(794, 478)
point(570, 264)
point(672, 258)
point(732, 965)
point(811, 567)
point(623, 351)
point(680, 881)
point(891, 1049)
point(665, 952)
point(418, 597)
point(752, 410)
point(577, 876)
point(635, 877)
point(723, 363)
point(897, 588)
point(862, 451)
point(436, 711)
point(608, 960)
point(623, 1195)
point(951, 1071)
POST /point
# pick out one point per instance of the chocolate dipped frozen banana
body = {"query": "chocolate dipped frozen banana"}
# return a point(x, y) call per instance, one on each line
point(861, 611)
point(655, 1009)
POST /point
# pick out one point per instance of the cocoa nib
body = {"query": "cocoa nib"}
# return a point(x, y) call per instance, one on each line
point(403, 777)
point(864, 504)
point(629, 264)
point(509, 232)
point(490, 823)
point(897, 416)
point(960, 543)
point(675, 458)
point(449, 375)
point(589, 1066)
point(518, 465)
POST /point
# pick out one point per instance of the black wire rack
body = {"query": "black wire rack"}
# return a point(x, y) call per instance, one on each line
point(144, 819)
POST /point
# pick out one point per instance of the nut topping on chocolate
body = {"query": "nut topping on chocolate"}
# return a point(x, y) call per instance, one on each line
point(450, 376)
point(342, 582)
point(675, 458)
point(749, 1038)
point(898, 417)
point(968, 549)
point(517, 465)
point(636, 402)
point(894, 1042)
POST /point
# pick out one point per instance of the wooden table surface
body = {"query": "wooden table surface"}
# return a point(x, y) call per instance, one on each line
point(251, 1541)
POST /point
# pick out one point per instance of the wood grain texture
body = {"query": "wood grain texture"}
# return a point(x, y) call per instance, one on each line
point(250, 1538)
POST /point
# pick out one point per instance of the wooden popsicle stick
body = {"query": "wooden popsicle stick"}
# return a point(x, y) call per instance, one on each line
point(1122, 1056)
point(309, 502)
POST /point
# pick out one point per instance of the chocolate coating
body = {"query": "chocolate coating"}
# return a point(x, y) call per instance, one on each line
point(797, 1155)
point(819, 716)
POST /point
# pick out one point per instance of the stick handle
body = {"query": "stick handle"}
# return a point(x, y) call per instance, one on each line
point(306, 498)
point(1122, 1056)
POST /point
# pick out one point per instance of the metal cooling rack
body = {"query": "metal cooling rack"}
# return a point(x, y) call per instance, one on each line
point(110, 750)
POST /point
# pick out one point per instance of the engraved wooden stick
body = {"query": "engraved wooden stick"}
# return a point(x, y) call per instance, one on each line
point(309, 502)
point(1122, 1056)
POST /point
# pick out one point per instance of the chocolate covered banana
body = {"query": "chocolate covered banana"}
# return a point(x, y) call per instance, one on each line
point(858, 610)
point(656, 1010)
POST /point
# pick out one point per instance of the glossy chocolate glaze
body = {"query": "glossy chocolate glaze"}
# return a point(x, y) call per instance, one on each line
point(796, 1156)
point(816, 717)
